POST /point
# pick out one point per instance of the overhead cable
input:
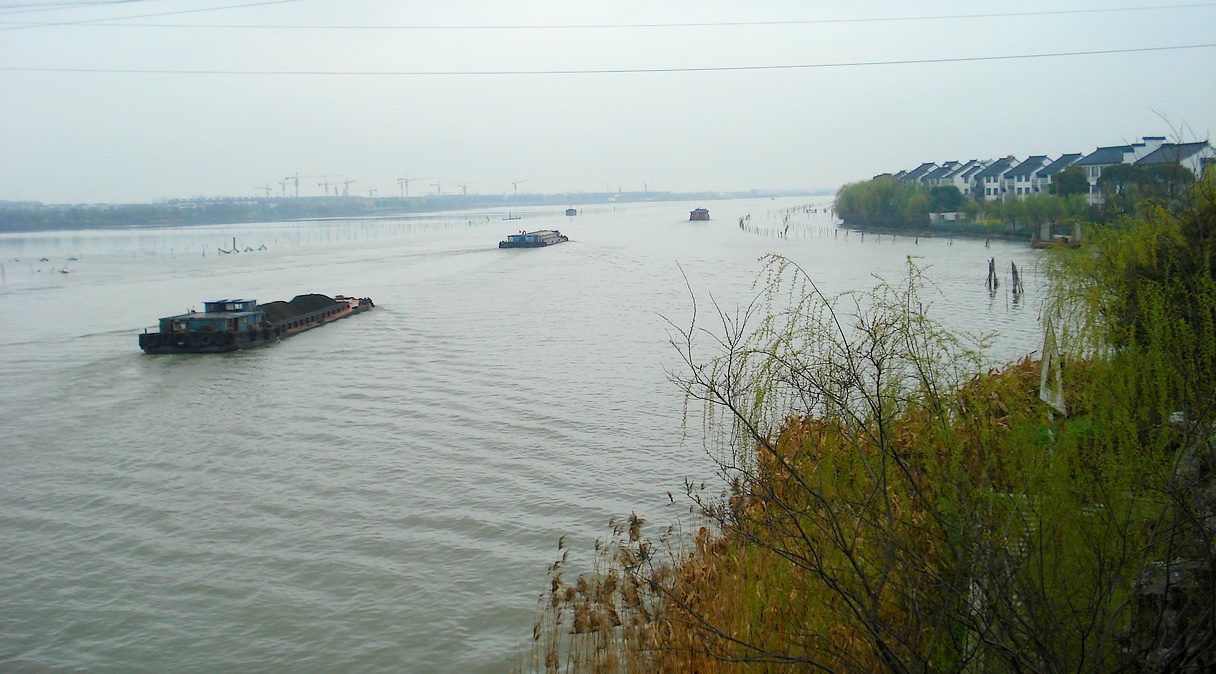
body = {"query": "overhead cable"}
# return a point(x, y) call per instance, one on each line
point(601, 71)
point(101, 21)
point(7, 8)
point(114, 22)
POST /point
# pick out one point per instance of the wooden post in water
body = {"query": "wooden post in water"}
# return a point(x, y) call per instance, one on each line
point(992, 282)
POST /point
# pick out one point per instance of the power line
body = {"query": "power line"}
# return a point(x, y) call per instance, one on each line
point(82, 22)
point(605, 71)
point(718, 24)
point(35, 7)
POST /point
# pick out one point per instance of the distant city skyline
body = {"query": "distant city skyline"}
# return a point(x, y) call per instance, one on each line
point(136, 102)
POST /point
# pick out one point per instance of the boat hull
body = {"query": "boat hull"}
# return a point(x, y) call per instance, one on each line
point(200, 342)
point(527, 244)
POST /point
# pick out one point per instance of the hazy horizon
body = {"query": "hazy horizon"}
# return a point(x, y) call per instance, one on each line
point(474, 200)
point(138, 101)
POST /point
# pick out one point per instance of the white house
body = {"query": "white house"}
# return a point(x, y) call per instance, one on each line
point(1149, 145)
point(1019, 181)
point(1198, 157)
point(964, 177)
point(990, 181)
point(940, 176)
point(1099, 159)
point(1044, 176)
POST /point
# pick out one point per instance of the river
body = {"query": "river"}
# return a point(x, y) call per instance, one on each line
point(384, 493)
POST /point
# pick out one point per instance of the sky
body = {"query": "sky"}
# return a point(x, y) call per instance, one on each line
point(142, 100)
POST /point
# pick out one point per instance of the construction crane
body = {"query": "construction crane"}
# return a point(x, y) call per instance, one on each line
point(464, 189)
point(296, 177)
point(265, 190)
point(404, 184)
point(283, 188)
point(515, 185)
point(371, 193)
point(346, 187)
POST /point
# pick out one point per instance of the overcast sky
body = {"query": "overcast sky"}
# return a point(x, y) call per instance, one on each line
point(151, 99)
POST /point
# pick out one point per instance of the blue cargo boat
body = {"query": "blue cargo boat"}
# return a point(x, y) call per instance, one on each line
point(537, 239)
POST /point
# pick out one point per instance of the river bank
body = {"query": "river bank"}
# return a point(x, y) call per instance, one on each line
point(891, 504)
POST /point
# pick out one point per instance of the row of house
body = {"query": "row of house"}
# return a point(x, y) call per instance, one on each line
point(1010, 178)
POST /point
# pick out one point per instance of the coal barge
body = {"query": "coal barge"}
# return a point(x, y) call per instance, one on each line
point(228, 325)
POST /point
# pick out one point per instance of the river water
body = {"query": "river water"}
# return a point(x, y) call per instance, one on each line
point(384, 493)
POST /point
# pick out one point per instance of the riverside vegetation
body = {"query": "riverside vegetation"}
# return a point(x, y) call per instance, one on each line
point(890, 204)
point(893, 506)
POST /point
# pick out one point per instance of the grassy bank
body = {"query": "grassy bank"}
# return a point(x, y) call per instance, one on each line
point(891, 505)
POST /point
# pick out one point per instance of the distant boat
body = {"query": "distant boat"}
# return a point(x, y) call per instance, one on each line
point(537, 239)
point(699, 214)
point(512, 217)
point(571, 211)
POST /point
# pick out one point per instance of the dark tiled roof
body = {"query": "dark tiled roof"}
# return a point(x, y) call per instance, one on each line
point(942, 171)
point(996, 168)
point(919, 172)
point(1104, 156)
point(1172, 153)
point(1029, 166)
point(1058, 165)
point(973, 169)
point(961, 168)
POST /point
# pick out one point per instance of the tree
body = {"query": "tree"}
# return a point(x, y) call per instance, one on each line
point(1169, 182)
point(929, 519)
point(1128, 187)
point(1117, 179)
point(883, 202)
point(1068, 182)
point(1142, 299)
point(945, 199)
